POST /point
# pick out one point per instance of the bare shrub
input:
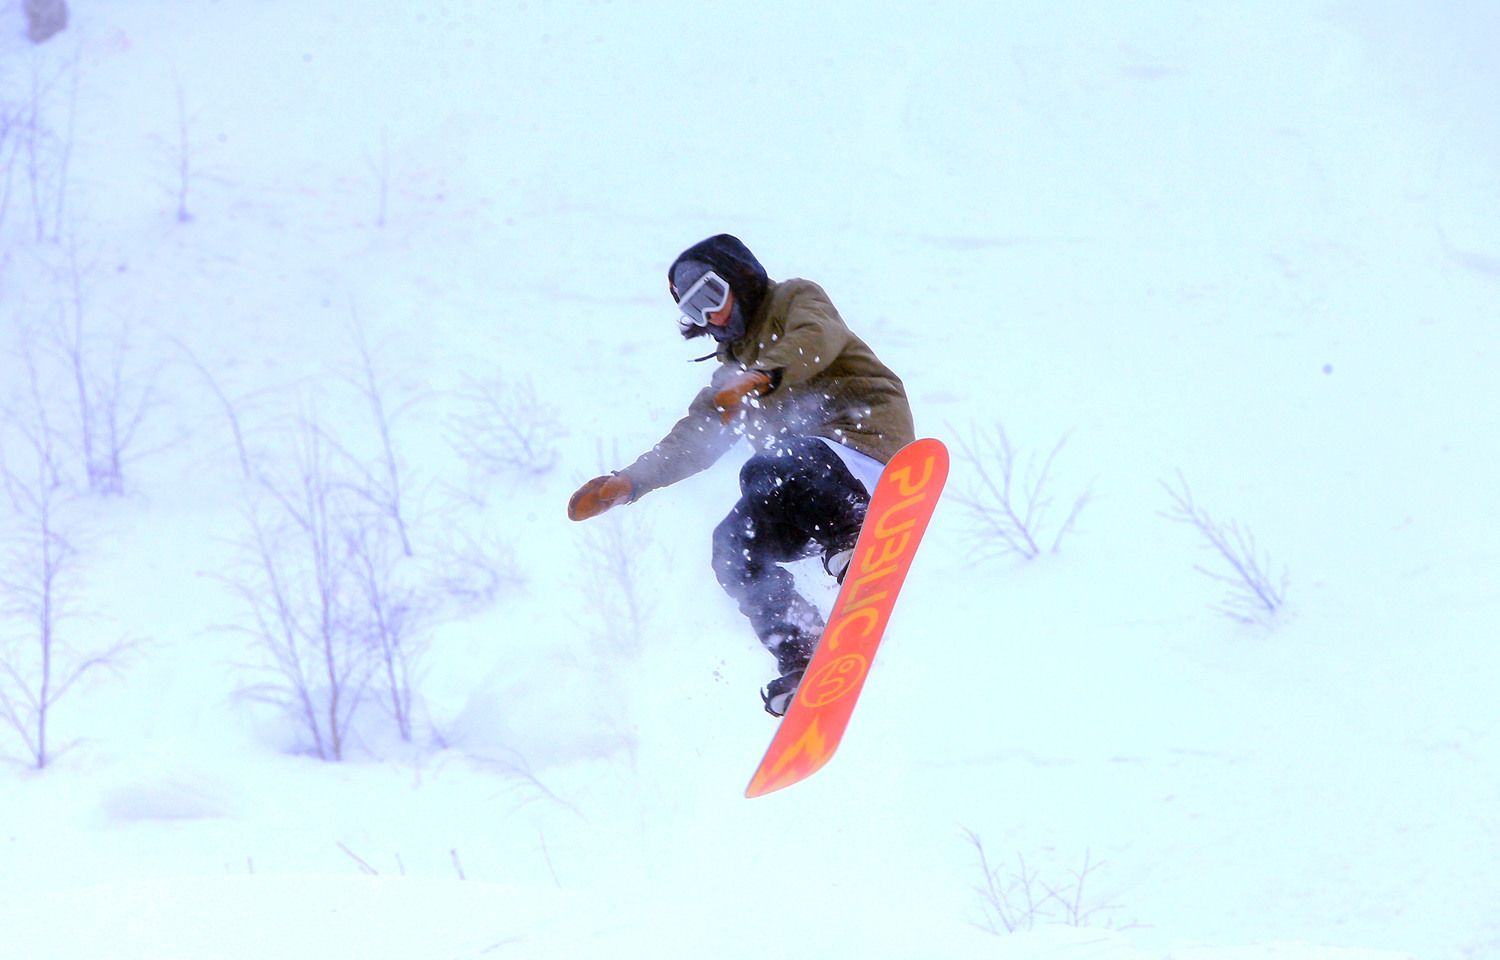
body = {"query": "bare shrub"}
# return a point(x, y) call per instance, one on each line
point(613, 554)
point(505, 428)
point(1256, 591)
point(295, 583)
point(347, 567)
point(1010, 903)
point(340, 604)
point(39, 662)
point(526, 784)
point(111, 390)
point(465, 548)
point(393, 611)
point(185, 156)
point(1013, 498)
point(471, 568)
point(45, 153)
point(1023, 899)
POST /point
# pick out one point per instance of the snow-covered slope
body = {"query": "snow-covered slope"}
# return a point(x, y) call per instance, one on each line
point(1257, 246)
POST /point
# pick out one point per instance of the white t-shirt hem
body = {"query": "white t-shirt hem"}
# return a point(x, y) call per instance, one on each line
point(866, 469)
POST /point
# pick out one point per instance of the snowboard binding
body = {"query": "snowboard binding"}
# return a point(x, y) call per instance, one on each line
point(778, 694)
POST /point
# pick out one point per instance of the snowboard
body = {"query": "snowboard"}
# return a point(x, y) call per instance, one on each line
point(900, 508)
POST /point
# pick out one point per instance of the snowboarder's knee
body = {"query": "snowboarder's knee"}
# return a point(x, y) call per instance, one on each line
point(731, 547)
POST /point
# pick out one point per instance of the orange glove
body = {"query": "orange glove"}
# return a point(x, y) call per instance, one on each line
point(598, 495)
point(751, 383)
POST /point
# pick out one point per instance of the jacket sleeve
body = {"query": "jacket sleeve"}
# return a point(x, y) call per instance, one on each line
point(693, 444)
point(813, 338)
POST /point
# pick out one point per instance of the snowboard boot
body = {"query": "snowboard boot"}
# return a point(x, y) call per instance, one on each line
point(838, 553)
point(836, 561)
point(792, 656)
point(778, 694)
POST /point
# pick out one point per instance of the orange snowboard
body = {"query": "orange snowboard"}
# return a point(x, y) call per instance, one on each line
point(897, 517)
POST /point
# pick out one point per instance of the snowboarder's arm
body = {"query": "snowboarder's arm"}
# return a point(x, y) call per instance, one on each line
point(599, 495)
point(814, 336)
point(693, 444)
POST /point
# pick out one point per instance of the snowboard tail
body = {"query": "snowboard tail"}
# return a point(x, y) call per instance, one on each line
point(900, 509)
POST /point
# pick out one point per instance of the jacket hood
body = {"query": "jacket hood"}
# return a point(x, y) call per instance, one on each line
point(733, 261)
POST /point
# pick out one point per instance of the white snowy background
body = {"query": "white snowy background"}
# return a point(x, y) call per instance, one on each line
point(1256, 243)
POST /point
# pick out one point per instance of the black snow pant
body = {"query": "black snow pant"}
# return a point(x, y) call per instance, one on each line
point(796, 499)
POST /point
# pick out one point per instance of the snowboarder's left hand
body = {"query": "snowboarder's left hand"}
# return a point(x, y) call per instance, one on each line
point(598, 495)
point(730, 399)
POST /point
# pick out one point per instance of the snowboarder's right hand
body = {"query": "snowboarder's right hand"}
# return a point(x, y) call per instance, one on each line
point(732, 397)
point(598, 495)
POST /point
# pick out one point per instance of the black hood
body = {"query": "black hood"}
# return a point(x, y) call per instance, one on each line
point(733, 261)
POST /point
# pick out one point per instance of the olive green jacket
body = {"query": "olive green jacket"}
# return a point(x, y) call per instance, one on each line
point(827, 383)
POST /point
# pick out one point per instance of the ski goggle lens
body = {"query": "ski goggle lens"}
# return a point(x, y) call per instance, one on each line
point(706, 296)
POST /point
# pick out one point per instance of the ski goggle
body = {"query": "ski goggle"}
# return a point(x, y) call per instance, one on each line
point(707, 296)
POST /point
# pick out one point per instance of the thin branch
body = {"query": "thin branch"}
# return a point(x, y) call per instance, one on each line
point(520, 768)
point(231, 412)
point(184, 154)
point(391, 487)
point(380, 166)
point(66, 156)
point(109, 658)
point(363, 864)
point(8, 124)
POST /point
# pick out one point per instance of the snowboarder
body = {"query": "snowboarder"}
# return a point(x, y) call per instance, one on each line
point(823, 415)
